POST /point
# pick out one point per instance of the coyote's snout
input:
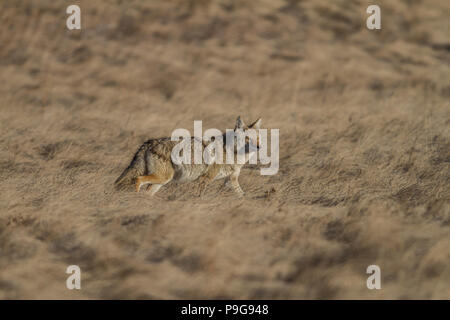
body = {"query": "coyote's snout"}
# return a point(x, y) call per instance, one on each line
point(152, 164)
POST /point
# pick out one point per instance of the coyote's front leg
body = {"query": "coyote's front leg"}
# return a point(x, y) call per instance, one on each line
point(235, 183)
point(206, 179)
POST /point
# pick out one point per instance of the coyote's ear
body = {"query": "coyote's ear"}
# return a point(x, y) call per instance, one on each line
point(239, 123)
point(256, 124)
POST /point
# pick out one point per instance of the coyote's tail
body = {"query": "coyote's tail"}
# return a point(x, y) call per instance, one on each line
point(135, 169)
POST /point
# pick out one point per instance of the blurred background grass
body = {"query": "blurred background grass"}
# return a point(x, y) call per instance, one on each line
point(364, 146)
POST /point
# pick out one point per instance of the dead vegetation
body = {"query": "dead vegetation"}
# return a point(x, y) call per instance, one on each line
point(364, 122)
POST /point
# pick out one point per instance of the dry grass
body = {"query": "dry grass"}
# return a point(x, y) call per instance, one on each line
point(364, 119)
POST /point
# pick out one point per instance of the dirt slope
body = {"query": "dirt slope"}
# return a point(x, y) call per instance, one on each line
point(364, 177)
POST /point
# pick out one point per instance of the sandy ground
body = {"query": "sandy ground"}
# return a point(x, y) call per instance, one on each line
point(364, 177)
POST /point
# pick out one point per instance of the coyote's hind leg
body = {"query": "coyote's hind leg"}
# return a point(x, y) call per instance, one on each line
point(156, 181)
point(154, 188)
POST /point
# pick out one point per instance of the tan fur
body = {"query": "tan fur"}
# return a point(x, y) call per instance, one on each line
point(152, 164)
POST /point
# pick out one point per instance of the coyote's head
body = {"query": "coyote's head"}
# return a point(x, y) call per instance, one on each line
point(250, 136)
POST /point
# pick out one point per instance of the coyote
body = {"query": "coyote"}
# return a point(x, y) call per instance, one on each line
point(152, 164)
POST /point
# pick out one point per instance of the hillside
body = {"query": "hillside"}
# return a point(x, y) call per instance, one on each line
point(364, 177)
